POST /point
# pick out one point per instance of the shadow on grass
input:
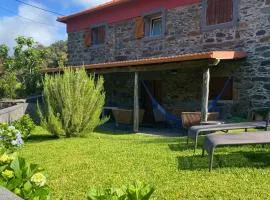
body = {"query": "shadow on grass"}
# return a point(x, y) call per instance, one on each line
point(180, 146)
point(236, 159)
point(41, 138)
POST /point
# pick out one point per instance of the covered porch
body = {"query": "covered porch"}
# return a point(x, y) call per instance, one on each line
point(154, 74)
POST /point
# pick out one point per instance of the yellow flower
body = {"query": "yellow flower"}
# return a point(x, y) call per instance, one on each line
point(39, 179)
point(8, 173)
point(5, 158)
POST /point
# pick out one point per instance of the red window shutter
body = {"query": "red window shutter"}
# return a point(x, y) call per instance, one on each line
point(219, 11)
point(228, 12)
point(101, 34)
point(139, 27)
point(88, 37)
point(210, 12)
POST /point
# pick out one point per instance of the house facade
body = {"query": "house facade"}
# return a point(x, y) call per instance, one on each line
point(126, 30)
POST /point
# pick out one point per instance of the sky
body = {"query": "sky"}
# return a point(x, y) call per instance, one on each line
point(19, 19)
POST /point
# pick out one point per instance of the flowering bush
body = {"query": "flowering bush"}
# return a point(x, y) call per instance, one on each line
point(10, 138)
point(25, 125)
point(26, 180)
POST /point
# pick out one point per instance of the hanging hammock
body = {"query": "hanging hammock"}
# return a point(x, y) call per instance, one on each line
point(160, 113)
point(213, 105)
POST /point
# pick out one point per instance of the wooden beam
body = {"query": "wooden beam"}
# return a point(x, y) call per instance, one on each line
point(136, 103)
point(205, 94)
point(157, 67)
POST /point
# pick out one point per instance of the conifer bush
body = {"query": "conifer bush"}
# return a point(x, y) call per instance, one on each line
point(73, 103)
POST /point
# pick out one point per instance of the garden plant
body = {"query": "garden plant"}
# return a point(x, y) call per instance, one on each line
point(136, 191)
point(73, 103)
point(26, 180)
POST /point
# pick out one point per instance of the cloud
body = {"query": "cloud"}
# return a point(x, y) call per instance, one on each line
point(89, 3)
point(45, 32)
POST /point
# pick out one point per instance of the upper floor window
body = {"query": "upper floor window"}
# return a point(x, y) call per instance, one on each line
point(98, 35)
point(94, 36)
point(150, 24)
point(156, 26)
point(219, 13)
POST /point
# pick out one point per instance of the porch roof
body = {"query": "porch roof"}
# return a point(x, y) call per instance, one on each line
point(212, 55)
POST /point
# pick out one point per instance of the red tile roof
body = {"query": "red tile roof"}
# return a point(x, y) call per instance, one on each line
point(220, 55)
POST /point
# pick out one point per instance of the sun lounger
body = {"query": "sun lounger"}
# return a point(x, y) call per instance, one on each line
point(212, 141)
point(195, 131)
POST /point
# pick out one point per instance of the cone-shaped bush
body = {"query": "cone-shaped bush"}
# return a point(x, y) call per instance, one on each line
point(73, 103)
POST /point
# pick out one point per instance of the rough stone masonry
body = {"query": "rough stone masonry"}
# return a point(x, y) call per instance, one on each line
point(184, 35)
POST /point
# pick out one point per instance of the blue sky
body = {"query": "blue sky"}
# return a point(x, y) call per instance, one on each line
point(40, 25)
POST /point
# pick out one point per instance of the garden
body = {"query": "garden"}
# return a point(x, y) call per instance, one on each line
point(64, 155)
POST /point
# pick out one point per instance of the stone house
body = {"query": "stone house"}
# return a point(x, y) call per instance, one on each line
point(161, 41)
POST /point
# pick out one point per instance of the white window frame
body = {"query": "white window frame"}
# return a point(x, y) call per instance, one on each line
point(152, 25)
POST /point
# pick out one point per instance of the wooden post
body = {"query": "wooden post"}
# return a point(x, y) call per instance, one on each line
point(205, 95)
point(136, 104)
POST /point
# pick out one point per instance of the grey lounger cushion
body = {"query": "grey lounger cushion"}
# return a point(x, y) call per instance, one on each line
point(211, 141)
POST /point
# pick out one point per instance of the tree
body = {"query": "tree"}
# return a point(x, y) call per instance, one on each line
point(26, 62)
point(57, 56)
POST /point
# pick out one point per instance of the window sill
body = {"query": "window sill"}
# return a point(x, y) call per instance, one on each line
point(156, 37)
point(205, 28)
point(97, 46)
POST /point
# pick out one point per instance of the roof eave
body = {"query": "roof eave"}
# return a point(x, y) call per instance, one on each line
point(109, 4)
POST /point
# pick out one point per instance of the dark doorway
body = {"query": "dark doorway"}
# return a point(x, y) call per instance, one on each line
point(155, 88)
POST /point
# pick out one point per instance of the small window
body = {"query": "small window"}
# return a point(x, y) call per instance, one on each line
point(217, 86)
point(218, 13)
point(98, 35)
point(156, 26)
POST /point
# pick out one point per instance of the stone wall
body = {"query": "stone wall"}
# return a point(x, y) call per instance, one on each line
point(13, 113)
point(184, 35)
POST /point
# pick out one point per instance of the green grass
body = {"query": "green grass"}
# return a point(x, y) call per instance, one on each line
point(74, 165)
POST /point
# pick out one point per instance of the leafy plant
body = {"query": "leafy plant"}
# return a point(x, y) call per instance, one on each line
point(26, 180)
point(27, 60)
point(10, 138)
point(25, 124)
point(73, 103)
point(136, 191)
point(8, 85)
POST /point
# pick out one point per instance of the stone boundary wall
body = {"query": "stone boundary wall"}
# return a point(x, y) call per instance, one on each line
point(7, 195)
point(13, 113)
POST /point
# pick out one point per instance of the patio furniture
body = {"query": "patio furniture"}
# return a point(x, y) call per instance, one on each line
point(195, 131)
point(125, 116)
point(194, 118)
point(212, 141)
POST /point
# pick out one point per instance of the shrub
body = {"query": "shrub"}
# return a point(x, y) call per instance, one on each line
point(136, 191)
point(8, 85)
point(25, 124)
point(10, 138)
point(25, 180)
point(73, 103)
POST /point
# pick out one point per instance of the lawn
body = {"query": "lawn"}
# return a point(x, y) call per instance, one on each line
point(76, 164)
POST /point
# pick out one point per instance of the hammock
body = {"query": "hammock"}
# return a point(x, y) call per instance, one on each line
point(161, 113)
point(213, 105)
point(177, 121)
